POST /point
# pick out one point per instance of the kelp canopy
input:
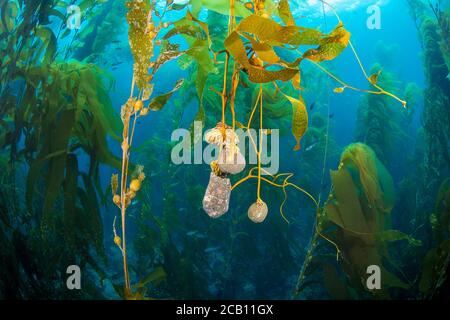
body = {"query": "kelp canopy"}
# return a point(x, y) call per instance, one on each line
point(241, 65)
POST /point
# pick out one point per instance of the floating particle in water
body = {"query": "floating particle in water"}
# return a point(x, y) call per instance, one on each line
point(312, 146)
point(217, 197)
point(212, 249)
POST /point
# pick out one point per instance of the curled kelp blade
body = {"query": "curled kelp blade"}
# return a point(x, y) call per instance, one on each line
point(217, 197)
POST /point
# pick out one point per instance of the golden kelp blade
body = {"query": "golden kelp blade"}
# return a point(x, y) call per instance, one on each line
point(235, 47)
point(141, 40)
point(300, 119)
point(220, 6)
point(284, 11)
point(270, 32)
point(331, 46)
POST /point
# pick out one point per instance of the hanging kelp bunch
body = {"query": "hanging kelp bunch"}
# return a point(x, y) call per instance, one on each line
point(230, 162)
point(251, 52)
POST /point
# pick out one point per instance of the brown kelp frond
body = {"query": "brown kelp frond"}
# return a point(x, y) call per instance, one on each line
point(353, 220)
point(376, 182)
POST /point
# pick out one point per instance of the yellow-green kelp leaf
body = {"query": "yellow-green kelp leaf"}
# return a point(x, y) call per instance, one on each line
point(141, 41)
point(202, 25)
point(48, 39)
point(264, 34)
point(264, 51)
point(284, 11)
point(273, 33)
point(10, 10)
point(395, 235)
point(59, 141)
point(196, 34)
point(331, 45)
point(299, 119)
point(257, 74)
point(159, 102)
point(155, 278)
point(348, 214)
point(220, 6)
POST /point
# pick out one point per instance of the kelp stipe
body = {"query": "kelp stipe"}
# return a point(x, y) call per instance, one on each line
point(143, 33)
point(434, 31)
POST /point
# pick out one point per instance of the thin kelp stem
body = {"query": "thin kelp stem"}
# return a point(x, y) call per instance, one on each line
point(234, 86)
point(250, 120)
point(225, 89)
point(273, 183)
point(224, 95)
point(260, 140)
point(123, 188)
point(341, 82)
point(381, 90)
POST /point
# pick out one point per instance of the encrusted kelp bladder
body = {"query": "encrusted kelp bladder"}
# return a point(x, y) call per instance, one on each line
point(355, 221)
point(230, 161)
point(251, 53)
point(146, 24)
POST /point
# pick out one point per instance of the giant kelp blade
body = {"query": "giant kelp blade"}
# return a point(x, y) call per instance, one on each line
point(336, 287)
point(351, 214)
point(59, 142)
point(90, 217)
point(271, 32)
point(70, 187)
point(50, 42)
point(9, 11)
point(154, 278)
point(285, 13)
point(159, 102)
point(220, 6)
point(331, 46)
point(141, 43)
point(264, 51)
point(300, 119)
point(256, 74)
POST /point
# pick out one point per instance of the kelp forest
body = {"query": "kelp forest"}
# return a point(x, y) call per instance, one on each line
point(328, 144)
